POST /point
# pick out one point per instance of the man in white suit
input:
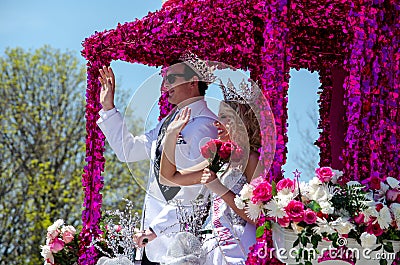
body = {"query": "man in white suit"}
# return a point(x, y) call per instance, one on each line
point(186, 87)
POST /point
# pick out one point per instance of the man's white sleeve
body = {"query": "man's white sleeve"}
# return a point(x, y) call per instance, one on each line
point(128, 148)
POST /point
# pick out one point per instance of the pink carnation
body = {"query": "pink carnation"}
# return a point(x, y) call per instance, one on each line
point(310, 217)
point(56, 245)
point(67, 237)
point(285, 184)
point(359, 219)
point(373, 182)
point(374, 229)
point(226, 150)
point(324, 174)
point(295, 211)
point(262, 193)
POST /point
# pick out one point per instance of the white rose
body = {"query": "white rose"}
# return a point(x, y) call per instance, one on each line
point(318, 194)
point(247, 192)
point(55, 226)
point(59, 223)
point(393, 183)
point(342, 226)
point(385, 218)
point(367, 240)
point(336, 175)
point(239, 203)
point(326, 207)
point(46, 253)
point(69, 228)
point(395, 207)
point(370, 211)
point(314, 183)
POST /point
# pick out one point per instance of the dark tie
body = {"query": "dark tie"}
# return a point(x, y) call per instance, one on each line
point(168, 192)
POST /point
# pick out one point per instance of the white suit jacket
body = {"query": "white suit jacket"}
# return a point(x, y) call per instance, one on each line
point(157, 213)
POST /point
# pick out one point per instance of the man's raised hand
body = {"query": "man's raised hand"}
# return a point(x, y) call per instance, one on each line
point(107, 80)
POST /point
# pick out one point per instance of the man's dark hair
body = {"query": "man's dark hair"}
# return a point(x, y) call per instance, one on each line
point(189, 73)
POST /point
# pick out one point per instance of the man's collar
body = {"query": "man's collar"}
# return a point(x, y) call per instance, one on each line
point(196, 107)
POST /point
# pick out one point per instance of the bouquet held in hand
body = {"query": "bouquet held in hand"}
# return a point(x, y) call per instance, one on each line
point(218, 153)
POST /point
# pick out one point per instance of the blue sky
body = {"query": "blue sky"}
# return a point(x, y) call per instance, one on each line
point(65, 24)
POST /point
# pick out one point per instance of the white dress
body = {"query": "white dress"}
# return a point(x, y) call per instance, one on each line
point(231, 235)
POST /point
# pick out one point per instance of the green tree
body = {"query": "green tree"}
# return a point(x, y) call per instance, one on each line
point(42, 149)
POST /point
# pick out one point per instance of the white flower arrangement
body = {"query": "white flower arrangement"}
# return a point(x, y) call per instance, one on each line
point(329, 208)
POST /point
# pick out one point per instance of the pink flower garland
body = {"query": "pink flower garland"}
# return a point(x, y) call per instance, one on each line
point(324, 140)
point(92, 181)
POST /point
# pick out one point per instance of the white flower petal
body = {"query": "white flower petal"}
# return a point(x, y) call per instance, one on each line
point(393, 183)
point(247, 192)
point(239, 202)
point(253, 211)
point(367, 240)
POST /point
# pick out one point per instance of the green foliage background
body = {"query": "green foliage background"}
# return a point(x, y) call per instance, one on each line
point(42, 150)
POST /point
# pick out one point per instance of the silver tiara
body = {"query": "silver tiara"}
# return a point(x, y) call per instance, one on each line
point(245, 94)
point(201, 67)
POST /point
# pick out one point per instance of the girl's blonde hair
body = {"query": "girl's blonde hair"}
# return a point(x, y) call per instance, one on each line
point(249, 120)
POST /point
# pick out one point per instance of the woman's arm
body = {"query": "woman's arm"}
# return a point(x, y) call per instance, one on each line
point(211, 181)
point(169, 175)
point(253, 167)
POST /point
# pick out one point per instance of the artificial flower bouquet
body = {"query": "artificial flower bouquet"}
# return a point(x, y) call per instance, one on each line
point(115, 243)
point(218, 153)
point(326, 209)
point(61, 244)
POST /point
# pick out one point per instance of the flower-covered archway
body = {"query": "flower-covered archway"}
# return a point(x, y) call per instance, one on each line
point(268, 38)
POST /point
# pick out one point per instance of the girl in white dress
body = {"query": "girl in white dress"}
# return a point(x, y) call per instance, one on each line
point(232, 231)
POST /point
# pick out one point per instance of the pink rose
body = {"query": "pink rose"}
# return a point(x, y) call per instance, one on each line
point(295, 211)
point(256, 181)
point(392, 195)
point(237, 154)
point(67, 237)
point(210, 149)
point(56, 245)
point(285, 184)
point(226, 149)
point(263, 192)
point(284, 221)
point(324, 174)
point(53, 234)
point(373, 182)
point(359, 219)
point(374, 229)
point(310, 217)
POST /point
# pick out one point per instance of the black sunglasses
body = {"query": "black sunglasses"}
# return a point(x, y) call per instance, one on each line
point(171, 78)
